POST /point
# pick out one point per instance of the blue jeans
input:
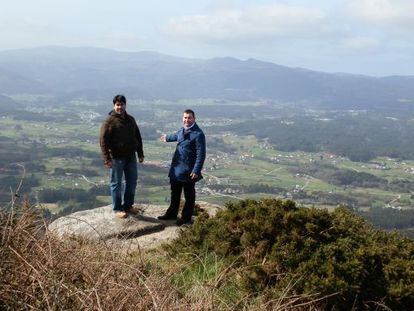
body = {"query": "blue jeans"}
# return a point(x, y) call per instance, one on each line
point(123, 166)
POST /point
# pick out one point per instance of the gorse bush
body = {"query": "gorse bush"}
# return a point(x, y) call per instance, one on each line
point(334, 259)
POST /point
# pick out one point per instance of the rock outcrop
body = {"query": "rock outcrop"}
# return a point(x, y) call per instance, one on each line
point(141, 230)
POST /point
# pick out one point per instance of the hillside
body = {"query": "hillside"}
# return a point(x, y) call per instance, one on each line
point(253, 255)
point(96, 73)
point(6, 104)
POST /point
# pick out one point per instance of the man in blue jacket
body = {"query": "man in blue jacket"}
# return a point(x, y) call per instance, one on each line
point(186, 167)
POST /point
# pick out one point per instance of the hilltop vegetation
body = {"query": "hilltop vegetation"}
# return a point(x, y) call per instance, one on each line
point(276, 248)
point(255, 255)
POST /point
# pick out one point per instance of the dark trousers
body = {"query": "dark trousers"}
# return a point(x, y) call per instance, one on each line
point(189, 195)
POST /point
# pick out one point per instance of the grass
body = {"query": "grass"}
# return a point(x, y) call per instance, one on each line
point(107, 199)
point(53, 182)
point(154, 195)
point(40, 271)
point(52, 207)
point(206, 275)
point(218, 199)
point(44, 272)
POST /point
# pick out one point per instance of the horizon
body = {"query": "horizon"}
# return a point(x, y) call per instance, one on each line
point(201, 58)
point(364, 37)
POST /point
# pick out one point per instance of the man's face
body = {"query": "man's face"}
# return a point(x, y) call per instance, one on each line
point(188, 119)
point(119, 107)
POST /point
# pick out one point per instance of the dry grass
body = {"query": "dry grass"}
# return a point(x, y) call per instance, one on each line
point(39, 271)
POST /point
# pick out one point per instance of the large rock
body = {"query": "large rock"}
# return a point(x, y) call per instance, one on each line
point(143, 230)
point(101, 223)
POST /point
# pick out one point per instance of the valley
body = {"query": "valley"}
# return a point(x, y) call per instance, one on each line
point(58, 147)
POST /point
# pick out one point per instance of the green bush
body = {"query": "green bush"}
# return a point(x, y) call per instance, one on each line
point(336, 257)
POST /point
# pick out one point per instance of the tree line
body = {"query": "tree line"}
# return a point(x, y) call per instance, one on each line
point(360, 138)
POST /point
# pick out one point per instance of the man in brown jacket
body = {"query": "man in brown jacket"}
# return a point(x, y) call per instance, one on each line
point(120, 139)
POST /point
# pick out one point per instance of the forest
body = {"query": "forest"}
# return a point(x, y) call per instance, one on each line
point(359, 137)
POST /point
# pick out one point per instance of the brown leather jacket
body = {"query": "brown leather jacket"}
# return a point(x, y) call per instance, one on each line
point(120, 137)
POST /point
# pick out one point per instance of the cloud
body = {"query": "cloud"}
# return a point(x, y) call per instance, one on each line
point(395, 13)
point(359, 44)
point(266, 22)
point(28, 32)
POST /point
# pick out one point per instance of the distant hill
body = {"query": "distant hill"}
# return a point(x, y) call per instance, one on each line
point(6, 105)
point(98, 73)
point(12, 82)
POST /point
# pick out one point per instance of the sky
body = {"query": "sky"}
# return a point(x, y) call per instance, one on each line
point(369, 37)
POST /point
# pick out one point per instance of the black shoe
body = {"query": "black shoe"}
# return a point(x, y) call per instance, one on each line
point(167, 217)
point(182, 221)
point(133, 210)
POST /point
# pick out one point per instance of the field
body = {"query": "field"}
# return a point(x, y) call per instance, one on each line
point(59, 148)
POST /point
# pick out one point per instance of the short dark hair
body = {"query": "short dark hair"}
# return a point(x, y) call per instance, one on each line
point(119, 98)
point(189, 111)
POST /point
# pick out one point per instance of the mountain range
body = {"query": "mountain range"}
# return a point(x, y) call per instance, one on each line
point(95, 73)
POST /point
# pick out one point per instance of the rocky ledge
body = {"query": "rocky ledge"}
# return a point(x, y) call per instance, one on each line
point(141, 230)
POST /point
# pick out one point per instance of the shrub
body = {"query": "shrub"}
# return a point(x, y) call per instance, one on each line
point(336, 257)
